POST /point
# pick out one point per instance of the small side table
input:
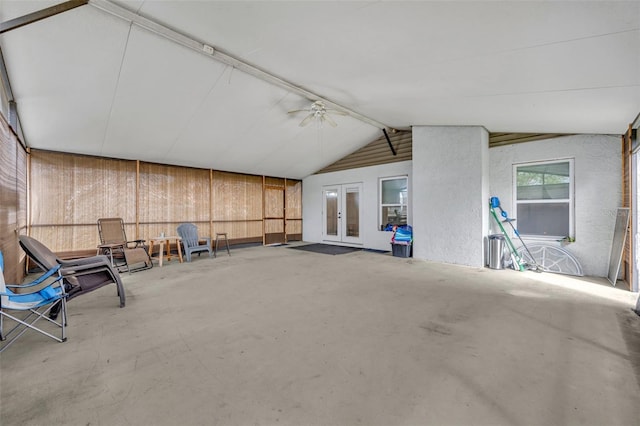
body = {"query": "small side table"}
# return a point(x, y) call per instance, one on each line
point(226, 241)
point(161, 242)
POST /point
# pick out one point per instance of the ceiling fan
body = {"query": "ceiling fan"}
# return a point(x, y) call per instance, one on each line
point(320, 113)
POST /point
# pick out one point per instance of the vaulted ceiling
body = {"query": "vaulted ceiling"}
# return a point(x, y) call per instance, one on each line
point(180, 82)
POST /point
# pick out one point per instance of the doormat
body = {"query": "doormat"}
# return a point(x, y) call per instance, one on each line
point(326, 248)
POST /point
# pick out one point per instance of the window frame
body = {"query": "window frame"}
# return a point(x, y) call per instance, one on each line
point(381, 206)
point(570, 200)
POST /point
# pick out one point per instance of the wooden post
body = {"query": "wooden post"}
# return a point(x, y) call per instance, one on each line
point(263, 207)
point(211, 203)
point(138, 199)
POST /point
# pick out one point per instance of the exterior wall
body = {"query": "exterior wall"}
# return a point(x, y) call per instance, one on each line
point(371, 236)
point(597, 189)
point(450, 196)
point(452, 176)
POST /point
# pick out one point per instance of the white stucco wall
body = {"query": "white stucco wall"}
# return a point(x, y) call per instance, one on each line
point(450, 193)
point(597, 186)
point(369, 176)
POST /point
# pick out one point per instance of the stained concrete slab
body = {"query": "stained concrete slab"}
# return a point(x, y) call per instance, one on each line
point(273, 336)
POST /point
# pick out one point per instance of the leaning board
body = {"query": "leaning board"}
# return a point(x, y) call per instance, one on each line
point(619, 237)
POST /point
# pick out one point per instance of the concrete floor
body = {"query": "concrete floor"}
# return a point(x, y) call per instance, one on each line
point(273, 336)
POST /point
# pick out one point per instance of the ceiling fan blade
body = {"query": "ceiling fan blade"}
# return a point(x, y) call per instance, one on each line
point(297, 110)
point(306, 120)
point(329, 120)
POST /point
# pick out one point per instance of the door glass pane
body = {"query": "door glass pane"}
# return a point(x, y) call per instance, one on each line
point(331, 200)
point(353, 213)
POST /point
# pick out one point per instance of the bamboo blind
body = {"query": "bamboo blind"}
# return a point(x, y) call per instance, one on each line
point(293, 197)
point(274, 214)
point(170, 195)
point(63, 216)
point(21, 186)
point(274, 210)
point(274, 182)
point(237, 205)
point(150, 198)
point(12, 202)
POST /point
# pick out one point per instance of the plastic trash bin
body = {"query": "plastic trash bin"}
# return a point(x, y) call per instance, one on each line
point(401, 249)
point(496, 250)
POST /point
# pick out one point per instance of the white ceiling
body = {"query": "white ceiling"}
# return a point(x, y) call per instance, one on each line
point(89, 82)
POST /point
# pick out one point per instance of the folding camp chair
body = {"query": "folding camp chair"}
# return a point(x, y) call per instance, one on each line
point(80, 275)
point(31, 302)
point(190, 241)
point(114, 243)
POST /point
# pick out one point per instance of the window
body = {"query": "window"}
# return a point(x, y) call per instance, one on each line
point(544, 198)
point(393, 202)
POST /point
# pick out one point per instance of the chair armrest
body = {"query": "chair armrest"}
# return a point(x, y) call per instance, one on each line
point(93, 260)
point(136, 243)
point(205, 239)
point(40, 279)
point(111, 246)
point(84, 264)
point(76, 269)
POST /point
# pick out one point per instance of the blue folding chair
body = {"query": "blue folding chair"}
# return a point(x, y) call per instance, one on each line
point(32, 302)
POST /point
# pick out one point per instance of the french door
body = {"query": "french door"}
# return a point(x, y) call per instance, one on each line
point(341, 213)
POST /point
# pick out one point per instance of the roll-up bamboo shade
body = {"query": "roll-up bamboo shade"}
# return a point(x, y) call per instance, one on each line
point(274, 203)
point(12, 201)
point(170, 195)
point(71, 192)
point(21, 190)
point(76, 189)
point(294, 226)
point(237, 205)
point(272, 226)
point(21, 187)
point(293, 212)
point(272, 181)
point(294, 199)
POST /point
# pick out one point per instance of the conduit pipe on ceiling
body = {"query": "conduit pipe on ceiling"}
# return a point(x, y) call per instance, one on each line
point(208, 50)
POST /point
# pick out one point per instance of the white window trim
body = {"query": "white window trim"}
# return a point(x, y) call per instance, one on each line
point(381, 206)
point(571, 198)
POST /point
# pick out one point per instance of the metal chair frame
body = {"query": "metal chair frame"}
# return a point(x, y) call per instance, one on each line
point(36, 299)
point(80, 275)
point(114, 244)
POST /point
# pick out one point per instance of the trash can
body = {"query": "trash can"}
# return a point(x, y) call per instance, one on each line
point(401, 249)
point(496, 250)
